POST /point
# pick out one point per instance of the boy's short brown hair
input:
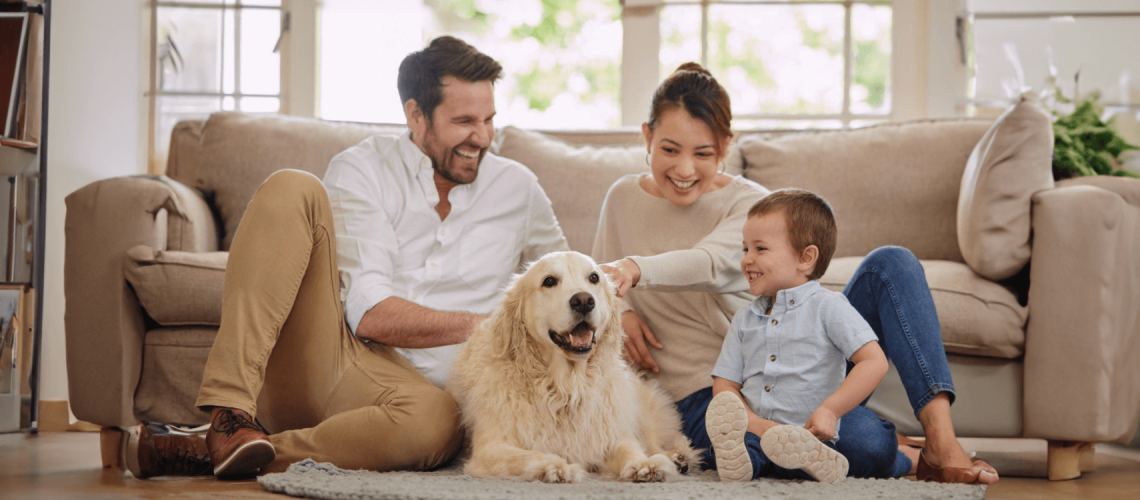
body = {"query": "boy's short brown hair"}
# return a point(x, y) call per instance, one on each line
point(810, 222)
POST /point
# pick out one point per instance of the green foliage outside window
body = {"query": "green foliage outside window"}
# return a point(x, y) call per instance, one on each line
point(556, 32)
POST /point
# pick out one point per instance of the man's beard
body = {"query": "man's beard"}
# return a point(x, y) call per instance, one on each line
point(441, 159)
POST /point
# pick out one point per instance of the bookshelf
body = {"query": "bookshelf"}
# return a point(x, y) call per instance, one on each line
point(25, 27)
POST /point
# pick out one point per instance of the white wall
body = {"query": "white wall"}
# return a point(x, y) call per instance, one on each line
point(96, 130)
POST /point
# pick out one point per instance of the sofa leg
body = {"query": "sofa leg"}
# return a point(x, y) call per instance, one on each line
point(1088, 457)
point(110, 441)
point(1065, 459)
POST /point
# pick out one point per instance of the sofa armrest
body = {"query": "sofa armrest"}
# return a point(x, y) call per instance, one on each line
point(1082, 381)
point(103, 322)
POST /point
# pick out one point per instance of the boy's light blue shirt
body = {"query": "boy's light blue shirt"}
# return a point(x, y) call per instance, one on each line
point(790, 361)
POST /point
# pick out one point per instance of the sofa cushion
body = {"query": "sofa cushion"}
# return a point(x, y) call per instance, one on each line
point(576, 178)
point(978, 317)
point(173, 362)
point(894, 184)
point(1013, 161)
point(177, 288)
point(229, 155)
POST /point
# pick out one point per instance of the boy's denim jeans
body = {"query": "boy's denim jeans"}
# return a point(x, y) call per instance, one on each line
point(868, 442)
point(890, 291)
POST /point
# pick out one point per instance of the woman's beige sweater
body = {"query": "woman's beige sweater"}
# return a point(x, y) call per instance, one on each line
point(691, 284)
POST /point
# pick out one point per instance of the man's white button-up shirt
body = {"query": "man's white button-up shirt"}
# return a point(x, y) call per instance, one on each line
point(391, 243)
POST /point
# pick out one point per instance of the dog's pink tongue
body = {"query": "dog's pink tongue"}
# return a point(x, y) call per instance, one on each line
point(581, 339)
point(581, 336)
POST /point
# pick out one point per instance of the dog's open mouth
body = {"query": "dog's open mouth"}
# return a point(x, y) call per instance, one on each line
point(579, 340)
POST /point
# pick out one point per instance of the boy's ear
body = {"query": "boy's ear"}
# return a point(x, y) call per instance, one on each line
point(808, 259)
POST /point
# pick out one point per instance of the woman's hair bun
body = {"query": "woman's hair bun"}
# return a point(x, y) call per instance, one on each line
point(692, 66)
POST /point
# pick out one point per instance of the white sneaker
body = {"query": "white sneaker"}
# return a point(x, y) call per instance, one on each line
point(793, 447)
point(726, 422)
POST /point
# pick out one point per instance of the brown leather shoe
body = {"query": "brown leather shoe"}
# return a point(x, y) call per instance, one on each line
point(154, 450)
point(238, 445)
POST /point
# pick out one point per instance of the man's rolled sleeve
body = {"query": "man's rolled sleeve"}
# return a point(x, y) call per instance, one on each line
point(543, 234)
point(362, 299)
point(365, 238)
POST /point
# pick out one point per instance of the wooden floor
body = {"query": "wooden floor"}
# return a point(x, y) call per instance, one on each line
point(67, 465)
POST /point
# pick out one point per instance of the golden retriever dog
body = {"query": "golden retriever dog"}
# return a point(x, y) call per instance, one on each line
point(545, 395)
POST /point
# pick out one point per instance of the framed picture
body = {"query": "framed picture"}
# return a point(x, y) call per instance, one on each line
point(13, 46)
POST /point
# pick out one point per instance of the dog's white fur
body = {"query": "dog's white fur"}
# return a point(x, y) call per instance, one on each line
point(535, 411)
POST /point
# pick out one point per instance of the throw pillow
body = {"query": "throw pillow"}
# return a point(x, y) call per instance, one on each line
point(1011, 162)
point(894, 184)
point(177, 288)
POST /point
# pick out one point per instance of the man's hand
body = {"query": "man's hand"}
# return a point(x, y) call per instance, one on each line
point(822, 424)
point(637, 334)
point(624, 273)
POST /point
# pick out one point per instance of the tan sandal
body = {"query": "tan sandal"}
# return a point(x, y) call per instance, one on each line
point(963, 475)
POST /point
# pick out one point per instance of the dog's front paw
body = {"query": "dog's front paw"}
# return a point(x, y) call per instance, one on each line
point(554, 469)
point(654, 469)
point(681, 460)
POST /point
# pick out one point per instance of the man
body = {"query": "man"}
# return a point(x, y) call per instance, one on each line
point(406, 246)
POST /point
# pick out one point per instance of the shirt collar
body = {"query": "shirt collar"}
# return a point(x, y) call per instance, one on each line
point(414, 159)
point(419, 164)
point(790, 298)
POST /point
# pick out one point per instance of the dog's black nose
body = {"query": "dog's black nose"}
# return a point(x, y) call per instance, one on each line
point(582, 302)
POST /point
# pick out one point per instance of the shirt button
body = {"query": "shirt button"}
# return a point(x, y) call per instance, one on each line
point(772, 357)
point(774, 322)
point(791, 303)
point(767, 388)
point(415, 296)
point(432, 265)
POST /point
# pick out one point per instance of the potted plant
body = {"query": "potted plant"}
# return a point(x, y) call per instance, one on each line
point(1083, 144)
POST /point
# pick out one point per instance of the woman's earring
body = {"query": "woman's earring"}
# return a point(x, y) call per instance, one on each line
point(723, 167)
point(647, 159)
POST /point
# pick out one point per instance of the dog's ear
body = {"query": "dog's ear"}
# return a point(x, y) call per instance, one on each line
point(508, 329)
point(614, 335)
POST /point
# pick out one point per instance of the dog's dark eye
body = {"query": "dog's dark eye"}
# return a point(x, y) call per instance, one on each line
point(549, 281)
point(594, 278)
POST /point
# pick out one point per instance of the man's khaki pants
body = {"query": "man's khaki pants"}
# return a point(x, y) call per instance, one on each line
point(285, 354)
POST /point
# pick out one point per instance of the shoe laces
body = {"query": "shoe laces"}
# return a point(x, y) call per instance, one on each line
point(229, 422)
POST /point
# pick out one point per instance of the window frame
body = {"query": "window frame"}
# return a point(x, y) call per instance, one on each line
point(650, 10)
point(157, 164)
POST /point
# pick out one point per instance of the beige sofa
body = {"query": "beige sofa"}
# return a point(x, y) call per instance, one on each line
point(1046, 350)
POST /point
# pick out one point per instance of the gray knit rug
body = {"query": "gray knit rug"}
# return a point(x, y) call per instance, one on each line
point(322, 480)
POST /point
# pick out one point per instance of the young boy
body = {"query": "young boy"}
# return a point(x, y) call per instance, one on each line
point(785, 354)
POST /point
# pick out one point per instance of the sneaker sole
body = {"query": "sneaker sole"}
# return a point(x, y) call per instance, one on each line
point(793, 447)
point(247, 460)
point(726, 422)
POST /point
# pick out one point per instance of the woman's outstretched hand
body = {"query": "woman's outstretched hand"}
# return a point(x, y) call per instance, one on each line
point(624, 273)
point(637, 334)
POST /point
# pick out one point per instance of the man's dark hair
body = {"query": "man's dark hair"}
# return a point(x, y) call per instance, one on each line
point(422, 72)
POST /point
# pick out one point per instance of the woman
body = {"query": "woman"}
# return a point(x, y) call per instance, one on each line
point(675, 235)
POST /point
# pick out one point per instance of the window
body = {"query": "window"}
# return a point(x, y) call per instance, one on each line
point(561, 58)
point(211, 55)
point(1014, 48)
point(785, 64)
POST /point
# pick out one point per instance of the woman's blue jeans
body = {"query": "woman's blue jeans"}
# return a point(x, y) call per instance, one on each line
point(889, 289)
point(891, 293)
